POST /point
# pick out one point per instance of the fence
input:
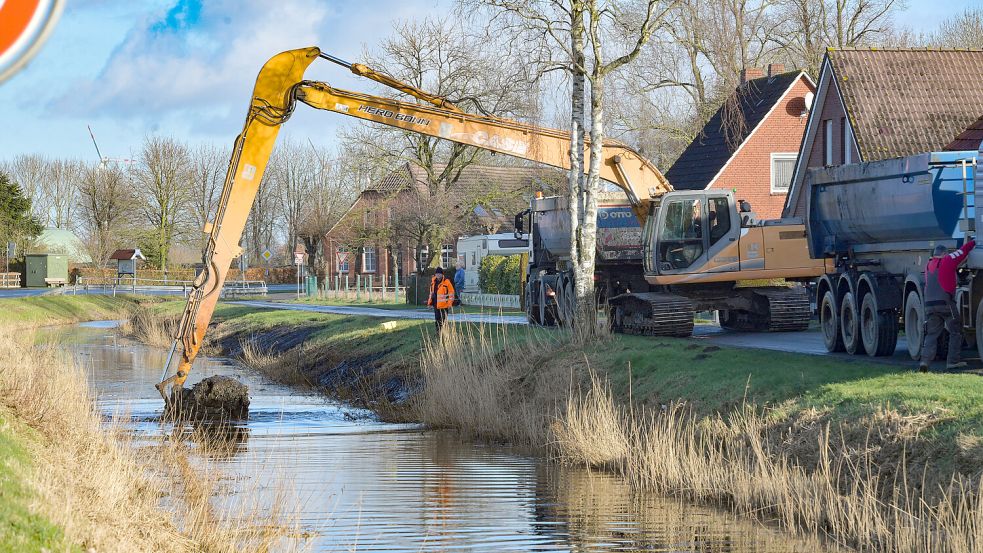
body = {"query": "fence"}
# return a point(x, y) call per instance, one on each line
point(491, 300)
point(9, 280)
point(359, 288)
point(150, 286)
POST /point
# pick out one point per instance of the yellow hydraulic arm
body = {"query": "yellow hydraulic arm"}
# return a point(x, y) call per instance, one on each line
point(280, 85)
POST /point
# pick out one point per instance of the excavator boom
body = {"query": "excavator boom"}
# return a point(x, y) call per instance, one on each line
point(280, 85)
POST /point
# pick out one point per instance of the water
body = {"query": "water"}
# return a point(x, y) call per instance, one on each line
point(354, 482)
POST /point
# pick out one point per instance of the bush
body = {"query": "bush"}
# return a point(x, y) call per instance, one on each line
point(499, 274)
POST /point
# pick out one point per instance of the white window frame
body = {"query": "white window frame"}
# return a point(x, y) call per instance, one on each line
point(784, 156)
point(346, 266)
point(366, 251)
point(848, 139)
point(827, 143)
point(446, 255)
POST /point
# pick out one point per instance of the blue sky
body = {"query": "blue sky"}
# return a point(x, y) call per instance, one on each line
point(186, 67)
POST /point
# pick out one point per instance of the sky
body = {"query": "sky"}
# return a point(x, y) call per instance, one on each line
point(185, 68)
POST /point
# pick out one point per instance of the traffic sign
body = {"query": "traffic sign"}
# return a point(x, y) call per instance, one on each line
point(299, 258)
point(267, 254)
point(26, 25)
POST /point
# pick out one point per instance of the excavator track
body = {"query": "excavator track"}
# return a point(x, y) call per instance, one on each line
point(652, 314)
point(789, 308)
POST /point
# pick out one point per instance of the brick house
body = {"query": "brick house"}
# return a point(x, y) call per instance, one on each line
point(368, 239)
point(751, 143)
point(875, 104)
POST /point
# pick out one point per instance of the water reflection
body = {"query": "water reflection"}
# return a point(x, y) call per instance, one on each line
point(366, 485)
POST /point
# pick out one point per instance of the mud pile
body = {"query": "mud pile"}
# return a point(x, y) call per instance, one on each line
point(214, 398)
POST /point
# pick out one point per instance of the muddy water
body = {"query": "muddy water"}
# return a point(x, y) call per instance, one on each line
point(355, 483)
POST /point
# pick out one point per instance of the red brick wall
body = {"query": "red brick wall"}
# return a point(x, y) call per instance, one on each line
point(832, 109)
point(749, 172)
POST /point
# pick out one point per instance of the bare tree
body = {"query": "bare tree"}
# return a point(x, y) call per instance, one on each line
point(208, 165)
point(293, 169)
point(31, 173)
point(162, 177)
point(961, 31)
point(442, 58)
point(811, 26)
point(334, 185)
point(61, 187)
point(572, 36)
point(106, 196)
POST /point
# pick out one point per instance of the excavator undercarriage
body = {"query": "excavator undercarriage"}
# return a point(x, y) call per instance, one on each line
point(671, 313)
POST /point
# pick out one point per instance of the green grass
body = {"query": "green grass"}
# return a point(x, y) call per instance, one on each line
point(22, 529)
point(40, 310)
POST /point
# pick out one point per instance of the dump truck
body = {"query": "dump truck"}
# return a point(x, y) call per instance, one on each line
point(876, 224)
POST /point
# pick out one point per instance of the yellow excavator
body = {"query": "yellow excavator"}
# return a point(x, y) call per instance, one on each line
point(281, 85)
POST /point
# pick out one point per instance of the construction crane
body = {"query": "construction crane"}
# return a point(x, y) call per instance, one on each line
point(103, 161)
point(281, 85)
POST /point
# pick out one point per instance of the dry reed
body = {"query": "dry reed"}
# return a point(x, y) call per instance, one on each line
point(90, 480)
point(526, 393)
point(148, 325)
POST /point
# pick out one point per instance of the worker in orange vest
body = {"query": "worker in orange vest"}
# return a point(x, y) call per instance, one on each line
point(441, 297)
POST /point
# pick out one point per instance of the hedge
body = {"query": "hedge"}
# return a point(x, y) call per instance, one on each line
point(499, 274)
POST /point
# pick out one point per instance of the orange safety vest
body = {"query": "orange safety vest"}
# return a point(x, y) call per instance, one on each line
point(445, 293)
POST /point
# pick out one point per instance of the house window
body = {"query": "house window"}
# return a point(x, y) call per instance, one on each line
point(847, 142)
point(446, 255)
point(424, 256)
point(782, 168)
point(842, 140)
point(369, 263)
point(828, 142)
point(341, 260)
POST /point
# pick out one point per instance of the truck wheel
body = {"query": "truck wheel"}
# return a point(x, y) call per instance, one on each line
point(879, 330)
point(979, 327)
point(829, 320)
point(532, 303)
point(914, 321)
point(850, 324)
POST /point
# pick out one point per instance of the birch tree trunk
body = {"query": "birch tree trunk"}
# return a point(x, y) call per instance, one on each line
point(576, 176)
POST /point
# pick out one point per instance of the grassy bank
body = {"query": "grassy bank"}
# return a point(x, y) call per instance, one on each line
point(71, 481)
point(63, 309)
point(864, 454)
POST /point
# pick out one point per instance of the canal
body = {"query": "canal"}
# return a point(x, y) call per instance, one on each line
point(350, 482)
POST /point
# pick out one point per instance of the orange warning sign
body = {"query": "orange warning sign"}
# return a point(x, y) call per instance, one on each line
point(25, 26)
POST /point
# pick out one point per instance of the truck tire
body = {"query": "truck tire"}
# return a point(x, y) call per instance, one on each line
point(979, 327)
point(878, 329)
point(914, 322)
point(850, 324)
point(532, 303)
point(829, 321)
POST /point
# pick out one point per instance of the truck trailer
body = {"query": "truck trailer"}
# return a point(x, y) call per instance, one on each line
point(876, 224)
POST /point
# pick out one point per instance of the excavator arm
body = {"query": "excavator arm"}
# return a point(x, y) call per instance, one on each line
point(280, 85)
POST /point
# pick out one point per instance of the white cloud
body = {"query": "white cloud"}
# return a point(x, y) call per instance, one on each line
point(202, 65)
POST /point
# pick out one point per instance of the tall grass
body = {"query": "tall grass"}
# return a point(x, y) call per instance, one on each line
point(150, 326)
point(528, 392)
point(91, 481)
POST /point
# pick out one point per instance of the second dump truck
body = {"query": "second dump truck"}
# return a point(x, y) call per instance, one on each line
point(876, 223)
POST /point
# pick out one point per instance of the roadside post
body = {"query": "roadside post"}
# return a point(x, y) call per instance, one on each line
point(11, 252)
point(298, 261)
point(396, 283)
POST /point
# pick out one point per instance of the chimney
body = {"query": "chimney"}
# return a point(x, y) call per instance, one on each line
point(750, 74)
point(775, 69)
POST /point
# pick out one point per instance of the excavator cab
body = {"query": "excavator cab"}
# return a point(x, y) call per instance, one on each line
point(693, 232)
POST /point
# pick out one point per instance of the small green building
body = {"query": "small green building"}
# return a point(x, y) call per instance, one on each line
point(46, 269)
